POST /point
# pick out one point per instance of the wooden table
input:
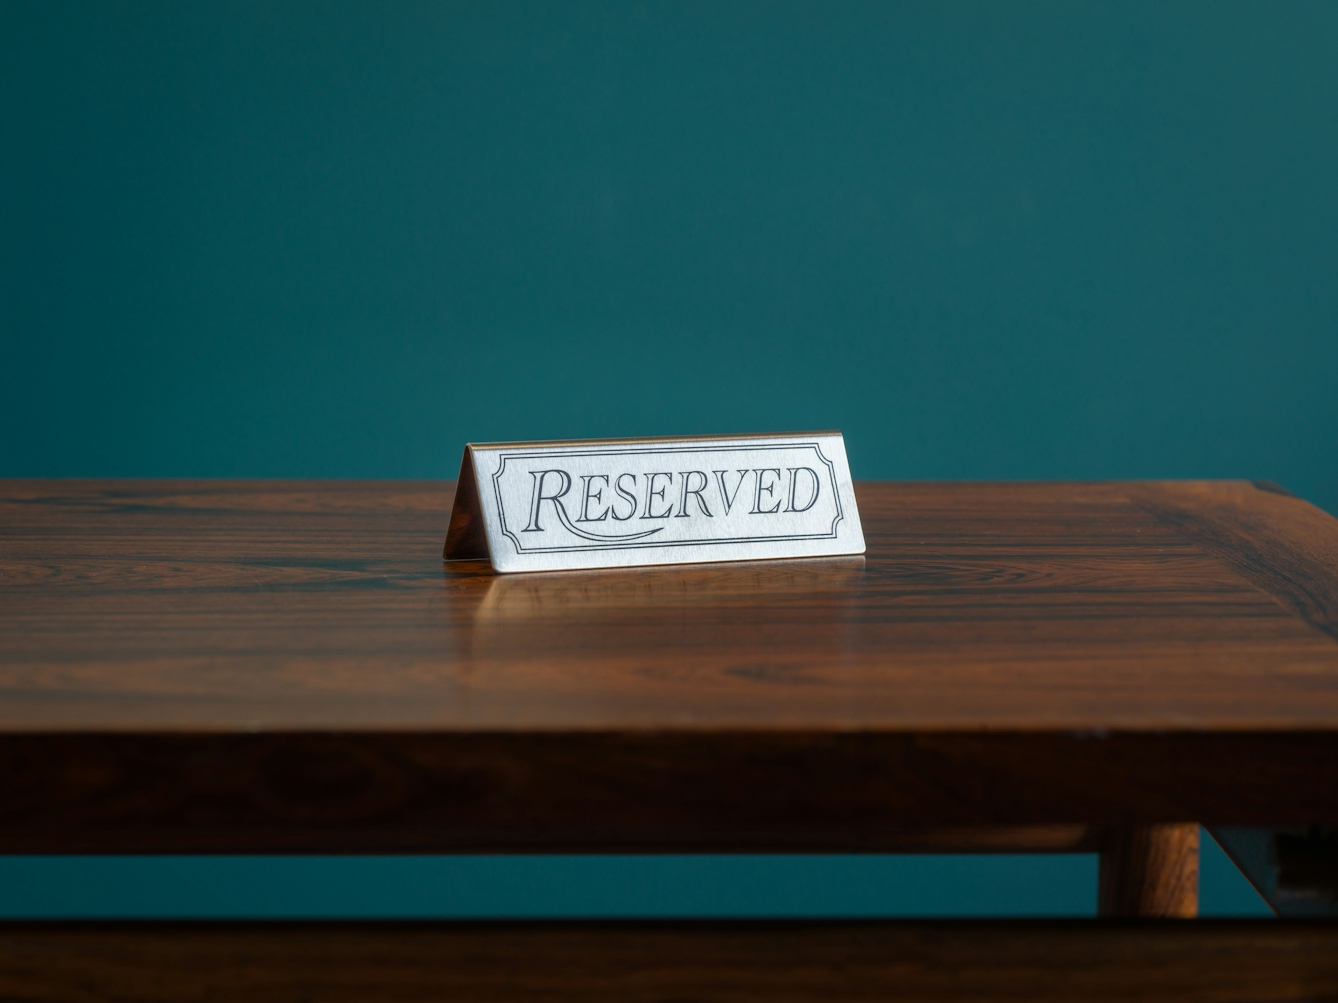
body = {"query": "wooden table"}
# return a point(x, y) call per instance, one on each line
point(267, 666)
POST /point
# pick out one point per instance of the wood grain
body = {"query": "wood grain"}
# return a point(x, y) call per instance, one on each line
point(1271, 538)
point(255, 666)
point(1150, 871)
point(594, 792)
point(1204, 962)
point(325, 606)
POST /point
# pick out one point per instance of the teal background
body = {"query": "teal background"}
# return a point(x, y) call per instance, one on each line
point(557, 887)
point(986, 240)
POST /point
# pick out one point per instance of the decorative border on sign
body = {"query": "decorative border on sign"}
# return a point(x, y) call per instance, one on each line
point(816, 447)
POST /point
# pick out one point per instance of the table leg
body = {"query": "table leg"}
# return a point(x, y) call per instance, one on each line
point(1150, 871)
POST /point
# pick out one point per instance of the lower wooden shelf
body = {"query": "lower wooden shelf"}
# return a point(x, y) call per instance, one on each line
point(775, 961)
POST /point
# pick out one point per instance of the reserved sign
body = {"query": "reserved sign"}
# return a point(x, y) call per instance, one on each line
point(546, 506)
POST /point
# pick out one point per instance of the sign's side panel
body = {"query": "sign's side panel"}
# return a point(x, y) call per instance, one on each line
point(466, 536)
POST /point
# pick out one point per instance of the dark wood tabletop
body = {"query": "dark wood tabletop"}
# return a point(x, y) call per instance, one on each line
point(289, 666)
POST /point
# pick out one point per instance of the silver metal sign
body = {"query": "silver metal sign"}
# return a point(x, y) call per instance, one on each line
point(604, 503)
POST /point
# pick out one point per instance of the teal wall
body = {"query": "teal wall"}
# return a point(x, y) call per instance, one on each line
point(556, 887)
point(986, 240)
